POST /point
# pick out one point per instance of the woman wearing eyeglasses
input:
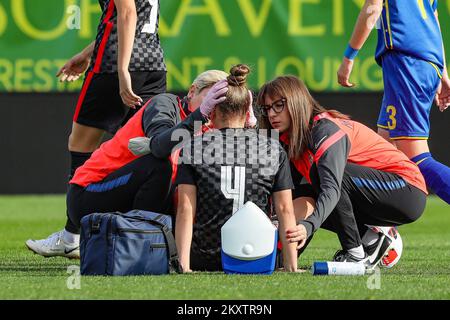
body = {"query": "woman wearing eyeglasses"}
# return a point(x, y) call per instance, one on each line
point(346, 176)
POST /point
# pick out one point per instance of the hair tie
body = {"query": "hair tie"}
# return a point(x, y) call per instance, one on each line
point(235, 80)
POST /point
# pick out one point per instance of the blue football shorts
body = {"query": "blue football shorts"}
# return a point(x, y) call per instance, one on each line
point(410, 86)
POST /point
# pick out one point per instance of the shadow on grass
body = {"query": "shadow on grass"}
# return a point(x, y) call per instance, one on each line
point(39, 266)
point(29, 271)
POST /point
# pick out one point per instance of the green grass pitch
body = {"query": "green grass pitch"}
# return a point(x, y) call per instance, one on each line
point(423, 271)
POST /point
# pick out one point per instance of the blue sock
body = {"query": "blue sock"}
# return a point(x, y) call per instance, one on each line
point(437, 175)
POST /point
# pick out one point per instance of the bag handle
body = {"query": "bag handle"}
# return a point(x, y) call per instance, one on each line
point(174, 263)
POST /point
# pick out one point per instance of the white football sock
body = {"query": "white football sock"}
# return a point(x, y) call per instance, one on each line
point(370, 237)
point(357, 252)
point(71, 238)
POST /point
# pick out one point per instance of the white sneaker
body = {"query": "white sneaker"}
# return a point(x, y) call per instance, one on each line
point(54, 246)
point(381, 247)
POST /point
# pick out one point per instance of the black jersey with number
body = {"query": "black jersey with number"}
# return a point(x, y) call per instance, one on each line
point(230, 167)
point(147, 54)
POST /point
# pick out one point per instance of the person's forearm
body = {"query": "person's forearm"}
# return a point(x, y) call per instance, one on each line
point(303, 207)
point(366, 21)
point(162, 144)
point(325, 204)
point(287, 221)
point(183, 237)
point(89, 50)
point(330, 170)
point(126, 28)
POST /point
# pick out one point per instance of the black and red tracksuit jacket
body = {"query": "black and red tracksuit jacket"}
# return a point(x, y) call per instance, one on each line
point(336, 142)
point(157, 120)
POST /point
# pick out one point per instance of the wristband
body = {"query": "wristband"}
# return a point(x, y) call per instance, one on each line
point(350, 53)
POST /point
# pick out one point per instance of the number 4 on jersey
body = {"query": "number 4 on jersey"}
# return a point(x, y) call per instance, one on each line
point(151, 26)
point(235, 191)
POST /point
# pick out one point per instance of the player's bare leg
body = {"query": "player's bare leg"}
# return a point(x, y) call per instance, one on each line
point(303, 208)
point(84, 139)
point(412, 148)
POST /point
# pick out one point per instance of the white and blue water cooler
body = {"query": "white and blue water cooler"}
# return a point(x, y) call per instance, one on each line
point(249, 242)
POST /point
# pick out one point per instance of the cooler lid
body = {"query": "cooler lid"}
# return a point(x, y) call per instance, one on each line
point(248, 234)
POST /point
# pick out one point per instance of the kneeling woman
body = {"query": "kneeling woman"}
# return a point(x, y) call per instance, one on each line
point(214, 184)
point(348, 175)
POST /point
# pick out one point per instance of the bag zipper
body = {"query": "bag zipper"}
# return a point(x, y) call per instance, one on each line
point(158, 246)
point(127, 230)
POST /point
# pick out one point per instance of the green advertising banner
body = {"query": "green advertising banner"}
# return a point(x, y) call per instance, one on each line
point(302, 37)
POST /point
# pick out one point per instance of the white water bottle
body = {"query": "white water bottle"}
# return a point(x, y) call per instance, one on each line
point(338, 268)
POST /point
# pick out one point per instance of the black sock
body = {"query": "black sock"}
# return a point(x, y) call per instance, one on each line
point(77, 159)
